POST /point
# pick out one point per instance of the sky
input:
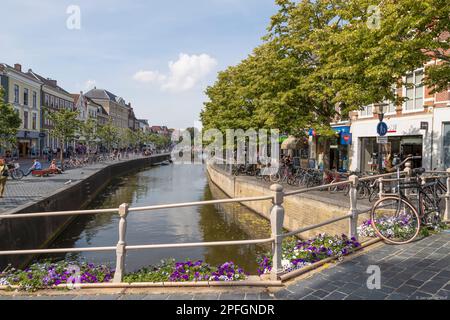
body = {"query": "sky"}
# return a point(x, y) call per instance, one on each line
point(158, 55)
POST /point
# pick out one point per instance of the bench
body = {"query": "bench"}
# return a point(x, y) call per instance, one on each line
point(40, 173)
point(44, 172)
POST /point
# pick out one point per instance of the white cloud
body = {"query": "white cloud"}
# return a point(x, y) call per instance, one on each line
point(184, 74)
point(148, 76)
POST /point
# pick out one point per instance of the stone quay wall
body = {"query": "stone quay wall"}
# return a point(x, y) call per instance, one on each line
point(300, 210)
point(39, 232)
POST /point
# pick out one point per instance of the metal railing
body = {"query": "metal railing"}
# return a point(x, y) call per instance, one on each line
point(276, 220)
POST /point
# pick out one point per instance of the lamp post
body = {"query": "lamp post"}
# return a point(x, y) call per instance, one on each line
point(382, 131)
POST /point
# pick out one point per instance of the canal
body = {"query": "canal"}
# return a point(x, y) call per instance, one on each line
point(161, 185)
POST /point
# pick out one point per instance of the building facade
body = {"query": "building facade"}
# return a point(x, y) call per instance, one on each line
point(53, 98)
point(115, 106)
point(24, 94)
point(419, 126)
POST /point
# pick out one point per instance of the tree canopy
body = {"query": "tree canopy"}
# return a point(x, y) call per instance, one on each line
point(9, 122)
point(322, 59)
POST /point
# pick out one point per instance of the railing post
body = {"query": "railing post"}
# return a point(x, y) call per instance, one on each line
point(447, 198)
point(408, 172)
point(353, 225)
point(121, 251)
point(381, 188)
point(276, 222)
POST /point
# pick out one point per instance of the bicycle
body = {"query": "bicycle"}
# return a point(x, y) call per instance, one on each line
point(395, 219)
point(14, 171)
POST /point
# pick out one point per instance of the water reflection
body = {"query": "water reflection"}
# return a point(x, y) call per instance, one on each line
point(159, 185)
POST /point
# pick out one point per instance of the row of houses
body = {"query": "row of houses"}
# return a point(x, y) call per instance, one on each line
point(31, 93)
point(419, 126)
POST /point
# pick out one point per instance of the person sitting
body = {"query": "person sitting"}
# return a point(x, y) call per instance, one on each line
point(54, 168)
point(36, 166)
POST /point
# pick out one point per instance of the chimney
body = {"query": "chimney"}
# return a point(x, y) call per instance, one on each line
point(53, 82)
point(18, 67)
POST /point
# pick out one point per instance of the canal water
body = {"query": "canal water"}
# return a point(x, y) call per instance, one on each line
point(161, 185)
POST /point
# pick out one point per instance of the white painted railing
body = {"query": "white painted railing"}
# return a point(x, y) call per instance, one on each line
point(276, 221)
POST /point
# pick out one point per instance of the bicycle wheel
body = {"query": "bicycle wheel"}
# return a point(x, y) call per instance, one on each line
point(17, 174)
point(430, 210)
point(395, 220)
point(275, 177)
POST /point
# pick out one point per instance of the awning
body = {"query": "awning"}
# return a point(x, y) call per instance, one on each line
point(292, 143)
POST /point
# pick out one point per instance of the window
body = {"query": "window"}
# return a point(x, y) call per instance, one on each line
point(16, 93)
point(56, 103)
point(34, 121)
point(47, 100)
point(34, 99)
point(414, 92)
point(25, 96)
point(367, 111)
point(25, 119)
point(52, 102)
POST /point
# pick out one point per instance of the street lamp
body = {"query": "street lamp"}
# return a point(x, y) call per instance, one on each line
point(381, 130)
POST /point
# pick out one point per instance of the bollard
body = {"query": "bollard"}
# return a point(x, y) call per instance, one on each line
point(447, 198)
point(276, 222)
point(121, 251)
point(353, 225)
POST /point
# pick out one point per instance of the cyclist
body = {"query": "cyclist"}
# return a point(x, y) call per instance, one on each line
point(36, 166)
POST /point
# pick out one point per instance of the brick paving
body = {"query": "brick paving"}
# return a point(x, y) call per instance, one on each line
point(32, 189)
point(416, 271)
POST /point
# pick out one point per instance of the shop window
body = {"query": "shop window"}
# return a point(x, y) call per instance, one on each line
point(25, 96)
point(367, 111)
point(414, 91)
point(446, 151)
point(16, 93)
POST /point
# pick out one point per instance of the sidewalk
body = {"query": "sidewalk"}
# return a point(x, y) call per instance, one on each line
point(416, 271)
point(32, 189)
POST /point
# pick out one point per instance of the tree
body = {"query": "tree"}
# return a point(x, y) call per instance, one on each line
point(89, 131)
point(9, 122)
point(322, 59)
point(109, 134)
point(65, 125)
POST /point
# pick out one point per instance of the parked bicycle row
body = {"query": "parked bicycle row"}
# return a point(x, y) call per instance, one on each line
point(15, 171)
point(307, 178)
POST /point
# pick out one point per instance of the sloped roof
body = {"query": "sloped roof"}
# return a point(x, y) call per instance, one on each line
point(47, 82)
point(26, 75)
point(102, 94)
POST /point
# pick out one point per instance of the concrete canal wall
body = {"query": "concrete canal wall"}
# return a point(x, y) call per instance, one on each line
point(35, 233)
point(300, 210)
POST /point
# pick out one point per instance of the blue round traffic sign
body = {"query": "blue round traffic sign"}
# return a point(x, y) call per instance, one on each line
point(382, 129)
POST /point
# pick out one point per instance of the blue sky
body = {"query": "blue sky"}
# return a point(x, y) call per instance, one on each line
point(159, 55)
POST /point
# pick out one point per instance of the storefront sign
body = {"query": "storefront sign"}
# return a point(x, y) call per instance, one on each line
point(424, 126)
point(382, 140)
point(346, 138)
point(392, 128)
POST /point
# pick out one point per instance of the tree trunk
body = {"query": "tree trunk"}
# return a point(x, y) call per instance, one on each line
point(61, 156)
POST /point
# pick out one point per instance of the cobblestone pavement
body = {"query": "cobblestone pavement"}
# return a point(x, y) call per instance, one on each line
point(32, 189)
point(415, 271)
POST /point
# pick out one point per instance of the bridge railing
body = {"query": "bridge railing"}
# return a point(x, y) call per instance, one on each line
point(276, 220)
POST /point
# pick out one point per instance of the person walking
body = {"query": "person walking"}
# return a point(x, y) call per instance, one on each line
point(3, 176)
